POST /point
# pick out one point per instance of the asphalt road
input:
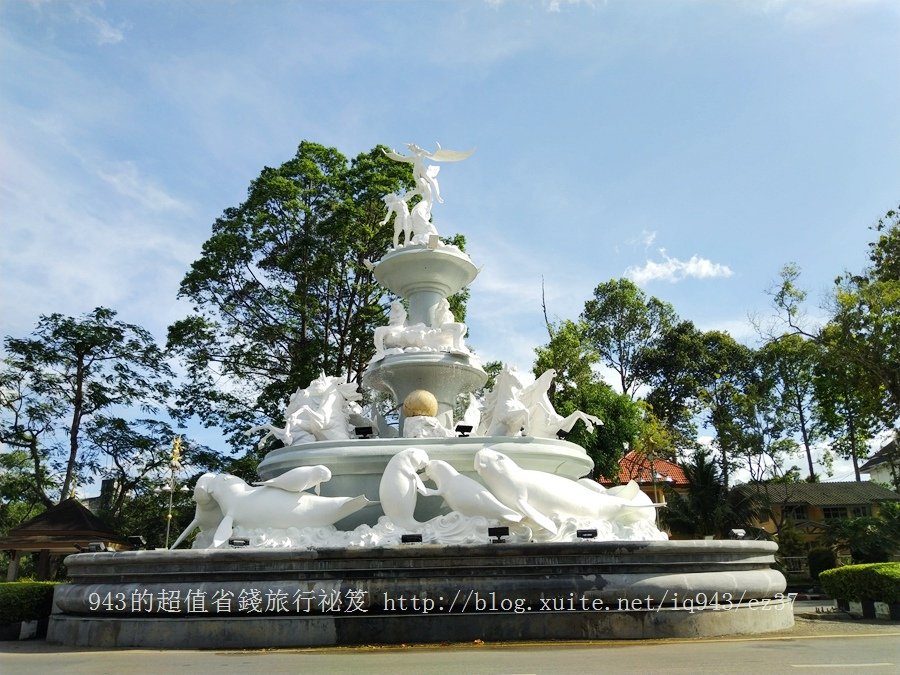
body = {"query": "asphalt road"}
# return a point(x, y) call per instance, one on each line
point(820, 644)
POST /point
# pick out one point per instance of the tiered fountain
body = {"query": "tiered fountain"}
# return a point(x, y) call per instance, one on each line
point(375, 555)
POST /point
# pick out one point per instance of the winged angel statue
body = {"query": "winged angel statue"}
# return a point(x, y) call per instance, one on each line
point(416, 223)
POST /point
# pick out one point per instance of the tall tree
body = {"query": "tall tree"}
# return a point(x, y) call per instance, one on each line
point(867, 314)
point(791, 361)
point(847, 405)
point(65, 375)
point(723, 373)
point(671, 368)
point(622, 322)
point(578, 387)
point(857, 381)
point(283, 290)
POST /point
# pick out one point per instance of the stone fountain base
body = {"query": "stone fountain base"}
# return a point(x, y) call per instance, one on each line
point(255, 598)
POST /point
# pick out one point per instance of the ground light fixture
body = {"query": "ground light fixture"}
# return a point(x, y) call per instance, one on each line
point(498, 533)
point(137, 542)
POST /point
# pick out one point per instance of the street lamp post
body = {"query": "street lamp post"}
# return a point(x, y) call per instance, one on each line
point(174, 465)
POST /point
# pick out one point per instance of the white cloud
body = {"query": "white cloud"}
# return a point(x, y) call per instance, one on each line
point(106, 33)
point(674, 270)
point(646, 238)
point(126, 179)
point(807, 14)
point(556, 5)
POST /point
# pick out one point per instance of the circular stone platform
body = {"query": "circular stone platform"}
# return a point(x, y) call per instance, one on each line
point(254, 598)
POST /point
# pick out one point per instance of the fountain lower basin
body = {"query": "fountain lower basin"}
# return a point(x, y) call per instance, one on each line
point(294, 597)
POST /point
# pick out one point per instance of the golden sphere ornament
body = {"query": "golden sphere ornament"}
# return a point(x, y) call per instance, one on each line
point(420, 403)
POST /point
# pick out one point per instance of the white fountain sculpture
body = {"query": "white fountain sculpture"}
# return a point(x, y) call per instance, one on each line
point(442, 334)
point(513, 470)
point(536, 505)
point(325, 411)
point(513, 409)
point(415, 223)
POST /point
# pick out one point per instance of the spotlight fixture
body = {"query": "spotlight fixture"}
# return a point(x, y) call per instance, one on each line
point(586, 534)
point(561, 435)
point(463, 430)
point(363, 432)
point(96, 547)
point(411, 538)
point(137, 542)
point(238, 542)
point(498, 533)
point(737, 534)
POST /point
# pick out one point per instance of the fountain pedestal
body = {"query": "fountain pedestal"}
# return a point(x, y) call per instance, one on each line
point(424, 276)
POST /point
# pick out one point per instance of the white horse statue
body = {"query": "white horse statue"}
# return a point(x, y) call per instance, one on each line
point(321, 412)
point(543, 420)
point(503, 413)
point(512, 409)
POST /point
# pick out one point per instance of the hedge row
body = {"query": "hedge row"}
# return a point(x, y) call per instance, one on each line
point(25, 600)
point(875, 581)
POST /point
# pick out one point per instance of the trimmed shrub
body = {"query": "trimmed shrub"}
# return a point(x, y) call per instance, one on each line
point(25, 600)
point(875, 581)
point(821, 559)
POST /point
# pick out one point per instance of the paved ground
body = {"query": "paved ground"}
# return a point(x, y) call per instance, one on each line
point(819, 641)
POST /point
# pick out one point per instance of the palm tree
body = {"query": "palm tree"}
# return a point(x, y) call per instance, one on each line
point(708, 507)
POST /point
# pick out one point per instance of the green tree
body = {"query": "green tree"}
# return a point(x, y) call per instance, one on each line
point(707, 508)
point(671, 367)
point(656, 440)
point(723, 373)
point(621, 323)
point(869, 538)
point(791, 361)
point(847, 408)
point(135, 458)
point(61, 379)
point(857, 375)
point(283, 290)
point(578, 387)
point(867, 312)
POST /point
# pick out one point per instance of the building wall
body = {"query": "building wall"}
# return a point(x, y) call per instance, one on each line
point(881, 473)
point(816, 516)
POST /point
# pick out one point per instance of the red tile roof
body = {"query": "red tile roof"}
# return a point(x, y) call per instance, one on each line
point(638, 467)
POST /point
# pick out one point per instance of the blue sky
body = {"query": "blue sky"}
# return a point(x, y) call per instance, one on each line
point(696, 146)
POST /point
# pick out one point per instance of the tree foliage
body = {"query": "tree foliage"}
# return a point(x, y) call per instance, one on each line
point(867, 317)
point(791, 362)
point(578, 387)
point(622, 322)
point(282, 290)
point(672, 367)
point(62, 381)
point(708, 507)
